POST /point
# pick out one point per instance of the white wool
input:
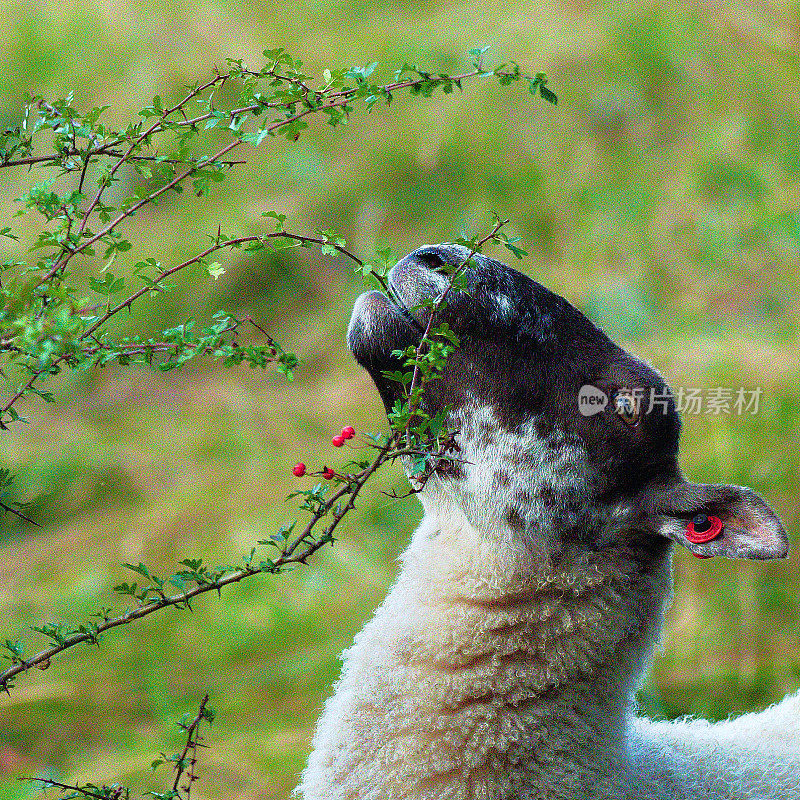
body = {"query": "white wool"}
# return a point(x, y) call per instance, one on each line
point(487, 675)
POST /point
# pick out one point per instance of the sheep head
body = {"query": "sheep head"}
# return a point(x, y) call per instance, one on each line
point(566, 440)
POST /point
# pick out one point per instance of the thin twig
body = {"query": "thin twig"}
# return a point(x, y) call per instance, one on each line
point(19, 514)
point(192, 742)
point(434, 311)
point(68, 252)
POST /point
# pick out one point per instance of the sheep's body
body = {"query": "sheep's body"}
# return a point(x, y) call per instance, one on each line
point(754, 756)
point(479, 678)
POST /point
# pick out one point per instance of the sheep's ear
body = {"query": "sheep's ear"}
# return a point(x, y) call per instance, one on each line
point(750, 528)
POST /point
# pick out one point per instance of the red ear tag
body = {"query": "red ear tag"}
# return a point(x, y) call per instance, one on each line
point(709, 528)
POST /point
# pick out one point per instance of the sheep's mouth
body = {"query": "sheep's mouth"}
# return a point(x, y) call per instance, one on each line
point(384, 322)
point(378, 327)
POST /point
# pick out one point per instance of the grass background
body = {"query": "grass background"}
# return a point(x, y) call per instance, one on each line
point(660, 196)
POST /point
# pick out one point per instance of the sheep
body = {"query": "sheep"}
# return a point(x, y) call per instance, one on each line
point(503, 663)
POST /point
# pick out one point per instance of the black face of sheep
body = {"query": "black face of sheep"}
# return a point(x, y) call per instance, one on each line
point(565, 437)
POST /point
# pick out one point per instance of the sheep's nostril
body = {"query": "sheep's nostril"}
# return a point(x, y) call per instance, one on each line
point(431, 257)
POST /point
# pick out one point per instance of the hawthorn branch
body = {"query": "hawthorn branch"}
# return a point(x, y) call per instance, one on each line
point(218, 245)
point(172, 348)
point(338, 102)
point(334, 100)
point(111, 794)
point(298, 551)
point(237, 242)
point(344, 94)
point(69, 252)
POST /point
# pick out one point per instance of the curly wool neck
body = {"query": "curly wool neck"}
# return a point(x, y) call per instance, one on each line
point(481, 670)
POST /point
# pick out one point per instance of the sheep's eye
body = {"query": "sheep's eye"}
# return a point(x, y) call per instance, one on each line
point(626, 407)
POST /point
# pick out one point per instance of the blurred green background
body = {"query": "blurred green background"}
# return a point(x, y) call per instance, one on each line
point(661, 196)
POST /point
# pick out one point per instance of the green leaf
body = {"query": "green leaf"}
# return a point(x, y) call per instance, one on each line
point(108, 286)
point(281, 219)
point(548, 95)
point(141, 570)
point(258, 136)
point(215, 270)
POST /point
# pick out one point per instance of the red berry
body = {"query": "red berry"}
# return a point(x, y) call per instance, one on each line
point(337, 441)
point(328, 473)
point(299, 470)
point(348, 433)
